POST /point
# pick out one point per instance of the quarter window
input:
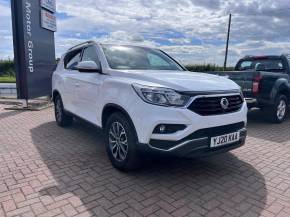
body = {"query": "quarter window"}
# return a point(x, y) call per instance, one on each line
point(72, 59)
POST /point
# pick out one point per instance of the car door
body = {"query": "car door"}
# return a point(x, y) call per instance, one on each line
point(70, 79)
point(87, 92)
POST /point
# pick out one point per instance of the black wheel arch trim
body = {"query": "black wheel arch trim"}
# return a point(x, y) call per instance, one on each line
point(280, 86)
point(55, 93)
point(120, 108)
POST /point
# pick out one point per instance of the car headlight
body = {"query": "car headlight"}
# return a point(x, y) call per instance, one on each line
point(161, 96)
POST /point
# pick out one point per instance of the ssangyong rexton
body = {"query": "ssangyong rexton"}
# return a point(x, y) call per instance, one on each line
point(143, 99)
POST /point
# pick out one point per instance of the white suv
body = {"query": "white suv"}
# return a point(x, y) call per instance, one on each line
point(146, 101)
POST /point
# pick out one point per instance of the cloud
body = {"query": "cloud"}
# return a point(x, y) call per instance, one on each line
point(6, 45)
point(210, 4)
point(194, 31)
point(120, 37)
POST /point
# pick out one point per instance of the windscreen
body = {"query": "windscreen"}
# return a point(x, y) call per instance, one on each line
point(261, 65)
point(138, 58)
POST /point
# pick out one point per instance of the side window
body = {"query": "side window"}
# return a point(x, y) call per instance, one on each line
point(155, 60)
point(90, 54)
point(72, 59)
point(246, 65)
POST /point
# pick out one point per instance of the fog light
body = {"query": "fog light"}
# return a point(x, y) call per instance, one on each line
point(168, 128)
point(162, 128)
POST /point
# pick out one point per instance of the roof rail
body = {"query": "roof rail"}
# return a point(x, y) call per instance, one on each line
point(248, 56)
point(87, 42)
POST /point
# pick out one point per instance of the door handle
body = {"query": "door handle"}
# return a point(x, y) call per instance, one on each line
point(77, 84)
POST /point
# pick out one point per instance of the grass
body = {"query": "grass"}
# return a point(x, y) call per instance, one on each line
point(7, 79)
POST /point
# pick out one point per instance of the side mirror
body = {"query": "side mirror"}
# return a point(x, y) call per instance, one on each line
point(88, 66)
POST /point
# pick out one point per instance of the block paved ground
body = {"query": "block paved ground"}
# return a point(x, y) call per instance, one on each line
point(49, 171)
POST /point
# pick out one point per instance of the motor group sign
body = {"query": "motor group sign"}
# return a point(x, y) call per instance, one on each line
point(34, 50)
point(48, 20)
point(48, 4)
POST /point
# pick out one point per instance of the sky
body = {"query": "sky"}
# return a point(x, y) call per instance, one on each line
point(192, 31)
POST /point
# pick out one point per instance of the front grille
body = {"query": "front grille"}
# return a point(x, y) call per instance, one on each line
point(212, 105)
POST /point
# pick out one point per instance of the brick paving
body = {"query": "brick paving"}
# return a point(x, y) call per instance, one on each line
point(49, 171)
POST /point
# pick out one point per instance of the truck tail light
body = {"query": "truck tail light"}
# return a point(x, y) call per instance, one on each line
point(256, 84)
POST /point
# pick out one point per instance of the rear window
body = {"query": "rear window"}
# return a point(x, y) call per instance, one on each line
point(261, 65)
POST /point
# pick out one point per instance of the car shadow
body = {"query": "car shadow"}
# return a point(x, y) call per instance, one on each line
point(77, 162)
point(260, 127)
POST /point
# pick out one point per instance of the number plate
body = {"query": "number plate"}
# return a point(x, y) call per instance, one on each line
point(224, 139)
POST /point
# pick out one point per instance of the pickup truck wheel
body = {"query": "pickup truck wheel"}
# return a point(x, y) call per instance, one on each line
point(280, 109)
point(121, 142)
point(62, 119)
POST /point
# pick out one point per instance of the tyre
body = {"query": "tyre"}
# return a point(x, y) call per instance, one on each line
point(279, 111)
point(121, 142)
point(62, 118)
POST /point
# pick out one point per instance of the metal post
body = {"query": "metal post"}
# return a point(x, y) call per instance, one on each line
point(24, 103)
point(228, 39)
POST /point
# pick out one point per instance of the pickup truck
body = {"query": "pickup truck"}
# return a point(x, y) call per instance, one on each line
point(265, 83)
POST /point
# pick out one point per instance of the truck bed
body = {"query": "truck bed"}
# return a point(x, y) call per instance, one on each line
point(242, 78)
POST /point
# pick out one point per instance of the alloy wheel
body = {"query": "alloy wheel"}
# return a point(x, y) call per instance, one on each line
point(58, 110)
point(281, 109)
point(118, 141)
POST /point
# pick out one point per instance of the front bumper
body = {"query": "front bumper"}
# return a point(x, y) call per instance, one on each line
point(146, 117)
point(198, 143)
point(251, 102)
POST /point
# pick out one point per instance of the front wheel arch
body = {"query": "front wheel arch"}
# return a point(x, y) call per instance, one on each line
point(111, 108)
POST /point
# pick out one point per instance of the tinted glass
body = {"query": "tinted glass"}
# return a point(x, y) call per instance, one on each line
point(90, 54)
point(72, 59)
point(262, 65)
point(134, 58)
